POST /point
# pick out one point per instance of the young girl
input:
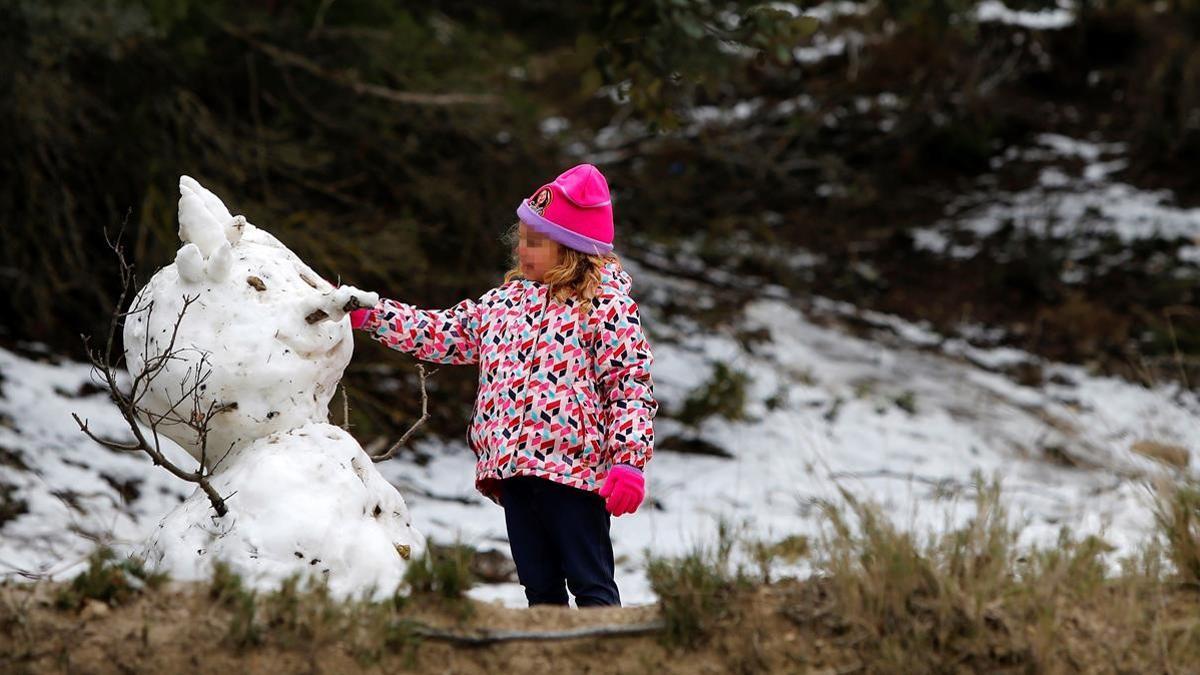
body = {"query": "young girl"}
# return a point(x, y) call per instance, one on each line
point(562, 422)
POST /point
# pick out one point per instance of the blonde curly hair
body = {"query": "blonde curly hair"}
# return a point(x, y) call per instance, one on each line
point(576, 274)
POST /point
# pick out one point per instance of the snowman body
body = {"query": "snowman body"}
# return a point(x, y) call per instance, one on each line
point(259, 350)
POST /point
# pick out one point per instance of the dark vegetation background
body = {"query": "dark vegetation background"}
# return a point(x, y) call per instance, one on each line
point(388, 144)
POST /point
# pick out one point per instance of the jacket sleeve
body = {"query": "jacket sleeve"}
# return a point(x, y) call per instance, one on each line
point(626, 390)
point(440, 336)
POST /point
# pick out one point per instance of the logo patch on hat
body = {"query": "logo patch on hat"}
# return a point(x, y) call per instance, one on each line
point(540, 200)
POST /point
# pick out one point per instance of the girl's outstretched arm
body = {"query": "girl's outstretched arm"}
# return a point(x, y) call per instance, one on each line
point(623, 360)
point(440, 336)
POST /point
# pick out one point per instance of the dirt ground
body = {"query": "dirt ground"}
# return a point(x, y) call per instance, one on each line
point(786, 627)
point(180, 629)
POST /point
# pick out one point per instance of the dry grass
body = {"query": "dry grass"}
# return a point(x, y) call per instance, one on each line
point(973, 598)
point(1178, 518)
point(697, 591)
point(881, 600)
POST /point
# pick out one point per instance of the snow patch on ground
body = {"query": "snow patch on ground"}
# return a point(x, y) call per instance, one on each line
point(70, 502)
point(824, 12)
point(1077, 199)
point(1047, 19)
point(823, 47)
point(706, 115)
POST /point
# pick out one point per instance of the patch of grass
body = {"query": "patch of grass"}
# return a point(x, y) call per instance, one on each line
point(398, 634)
point(864, 387)
point(442, 571)
point(764, 554)
point(907, 401)
point(972, 599)
point(723, 394)
point(298, 612)
point(244, 629)
point(696, 591)
point(791, 548)
point(904, 595)
point(11, 505)
point(1177, 514)
point(226, 586)
point(302, 613)
point(835, 409)
point(778, 399)
point(227, 589)
point(108, 579)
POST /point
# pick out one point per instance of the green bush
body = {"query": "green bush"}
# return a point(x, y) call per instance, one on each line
point(109, 580)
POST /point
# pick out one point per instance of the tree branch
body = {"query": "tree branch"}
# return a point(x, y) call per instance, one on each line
point(105, 370)
point(285, 57)
point(391, 452)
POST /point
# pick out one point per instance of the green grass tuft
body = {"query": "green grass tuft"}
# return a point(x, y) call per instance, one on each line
point(109, 580)
point(442, 571)
point(723, 394)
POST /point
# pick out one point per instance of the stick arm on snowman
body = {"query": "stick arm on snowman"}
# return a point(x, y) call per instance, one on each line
point(336, 305)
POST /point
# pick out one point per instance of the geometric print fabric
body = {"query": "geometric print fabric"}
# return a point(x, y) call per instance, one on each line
point(561, 396)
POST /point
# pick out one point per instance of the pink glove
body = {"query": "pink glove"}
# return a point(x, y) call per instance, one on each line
point(624, 488)
point(359, 317)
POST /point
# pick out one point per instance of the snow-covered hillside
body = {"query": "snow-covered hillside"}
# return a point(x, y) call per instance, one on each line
point(835, 396)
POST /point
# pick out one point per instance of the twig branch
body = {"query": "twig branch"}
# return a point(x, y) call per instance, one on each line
point(345, 409)
point(105, 368)
point(391, 452)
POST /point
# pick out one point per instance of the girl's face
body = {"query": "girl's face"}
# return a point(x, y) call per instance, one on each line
point(536, 253)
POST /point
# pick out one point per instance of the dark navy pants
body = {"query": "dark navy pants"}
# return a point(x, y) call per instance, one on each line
point(559, 538)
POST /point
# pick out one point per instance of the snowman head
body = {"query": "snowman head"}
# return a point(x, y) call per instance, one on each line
point(262, 341)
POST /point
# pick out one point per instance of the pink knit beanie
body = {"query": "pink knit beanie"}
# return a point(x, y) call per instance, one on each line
point(575, 210)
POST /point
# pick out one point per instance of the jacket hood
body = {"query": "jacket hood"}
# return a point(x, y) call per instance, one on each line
point(615, 278)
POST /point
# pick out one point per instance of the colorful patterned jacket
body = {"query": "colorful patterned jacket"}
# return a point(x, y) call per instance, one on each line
point(561, 396)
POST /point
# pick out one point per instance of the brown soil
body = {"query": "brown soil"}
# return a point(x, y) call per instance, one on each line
point(179, 629)
point(786, 627)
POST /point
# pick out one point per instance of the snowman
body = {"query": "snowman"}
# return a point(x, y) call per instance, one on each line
point(260, 347)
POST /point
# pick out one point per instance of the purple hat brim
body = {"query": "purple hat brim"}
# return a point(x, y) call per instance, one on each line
point(562, 235)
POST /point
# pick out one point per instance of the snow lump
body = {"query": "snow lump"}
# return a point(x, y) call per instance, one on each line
point(263, 342)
